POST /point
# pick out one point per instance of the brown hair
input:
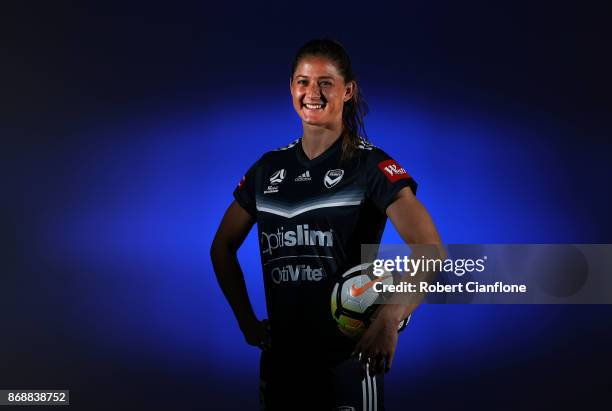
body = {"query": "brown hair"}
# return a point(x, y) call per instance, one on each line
point(353, 110)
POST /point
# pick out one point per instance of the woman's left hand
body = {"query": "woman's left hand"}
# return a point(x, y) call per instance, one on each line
point(376, 347)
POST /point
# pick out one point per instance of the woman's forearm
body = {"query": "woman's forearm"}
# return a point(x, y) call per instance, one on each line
point(231, 280)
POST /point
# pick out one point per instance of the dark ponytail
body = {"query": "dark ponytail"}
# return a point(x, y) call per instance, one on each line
point(356, 108)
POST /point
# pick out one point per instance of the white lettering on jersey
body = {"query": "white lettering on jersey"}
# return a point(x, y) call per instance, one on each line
point(301, 236)
point(295, 273)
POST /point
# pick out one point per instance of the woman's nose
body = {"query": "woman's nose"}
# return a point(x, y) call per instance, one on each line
point(314, 90)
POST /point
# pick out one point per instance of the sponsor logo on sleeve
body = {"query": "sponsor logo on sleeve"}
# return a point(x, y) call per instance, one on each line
point(392, 170)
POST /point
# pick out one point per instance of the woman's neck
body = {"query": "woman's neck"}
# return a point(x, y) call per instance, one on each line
point(316, 139)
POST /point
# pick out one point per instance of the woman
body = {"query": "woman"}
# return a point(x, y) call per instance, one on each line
point(316, 201)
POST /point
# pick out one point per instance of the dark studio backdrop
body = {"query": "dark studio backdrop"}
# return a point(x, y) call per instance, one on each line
point(125, 129)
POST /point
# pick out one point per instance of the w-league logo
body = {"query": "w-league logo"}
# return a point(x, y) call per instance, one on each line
point(278, 176)
point(275, 179)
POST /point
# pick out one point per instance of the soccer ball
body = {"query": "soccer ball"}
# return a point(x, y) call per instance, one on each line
point(354, 300)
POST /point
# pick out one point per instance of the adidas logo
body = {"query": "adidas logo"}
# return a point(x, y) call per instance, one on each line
point(305, 176)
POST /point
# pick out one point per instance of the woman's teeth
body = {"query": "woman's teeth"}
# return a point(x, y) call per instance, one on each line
point(314, 106)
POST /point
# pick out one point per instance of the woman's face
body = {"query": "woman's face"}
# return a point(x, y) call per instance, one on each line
point(319, 91)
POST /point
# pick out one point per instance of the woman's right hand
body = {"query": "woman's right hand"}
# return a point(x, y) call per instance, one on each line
point(257, 333)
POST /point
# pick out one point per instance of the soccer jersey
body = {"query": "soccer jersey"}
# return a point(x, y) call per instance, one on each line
point(312, 217)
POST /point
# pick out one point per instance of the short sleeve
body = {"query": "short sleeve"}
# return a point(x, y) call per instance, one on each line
point(385, 178)
point(245, 191)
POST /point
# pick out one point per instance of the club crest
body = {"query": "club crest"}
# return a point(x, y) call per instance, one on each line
point(333, 177)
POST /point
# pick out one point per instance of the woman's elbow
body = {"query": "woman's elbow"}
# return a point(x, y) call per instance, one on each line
point(222, 246)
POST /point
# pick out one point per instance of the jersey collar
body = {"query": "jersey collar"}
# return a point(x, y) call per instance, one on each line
point(304, 160)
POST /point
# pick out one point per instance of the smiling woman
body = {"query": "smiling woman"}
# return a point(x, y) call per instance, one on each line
point(324, 89)
point(319, 91)
point(315, 202)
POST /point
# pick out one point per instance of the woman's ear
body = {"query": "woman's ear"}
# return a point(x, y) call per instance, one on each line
point(349, 90)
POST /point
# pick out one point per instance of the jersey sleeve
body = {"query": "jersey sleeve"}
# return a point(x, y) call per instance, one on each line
point(385, 178)
point(244, 193)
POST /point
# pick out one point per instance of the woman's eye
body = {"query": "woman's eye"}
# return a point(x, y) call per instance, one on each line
point(326, 83)
point(302, 82)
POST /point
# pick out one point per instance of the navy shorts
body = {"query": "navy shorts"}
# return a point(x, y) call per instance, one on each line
point(291, 383)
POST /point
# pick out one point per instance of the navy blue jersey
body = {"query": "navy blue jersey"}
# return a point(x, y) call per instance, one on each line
point(312, 217)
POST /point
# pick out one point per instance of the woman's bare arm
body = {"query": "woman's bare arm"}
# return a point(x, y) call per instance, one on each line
point(415, 226)
point(232, 231)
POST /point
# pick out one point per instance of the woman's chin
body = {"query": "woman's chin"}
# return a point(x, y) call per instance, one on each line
point(314, 119)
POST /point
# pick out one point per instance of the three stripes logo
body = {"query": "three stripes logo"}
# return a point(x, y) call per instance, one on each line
point(305, 176)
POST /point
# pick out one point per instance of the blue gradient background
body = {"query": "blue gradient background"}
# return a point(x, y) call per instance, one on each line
point(125, 130)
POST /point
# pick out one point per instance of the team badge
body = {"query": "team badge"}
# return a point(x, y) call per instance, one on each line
point(333, 177)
